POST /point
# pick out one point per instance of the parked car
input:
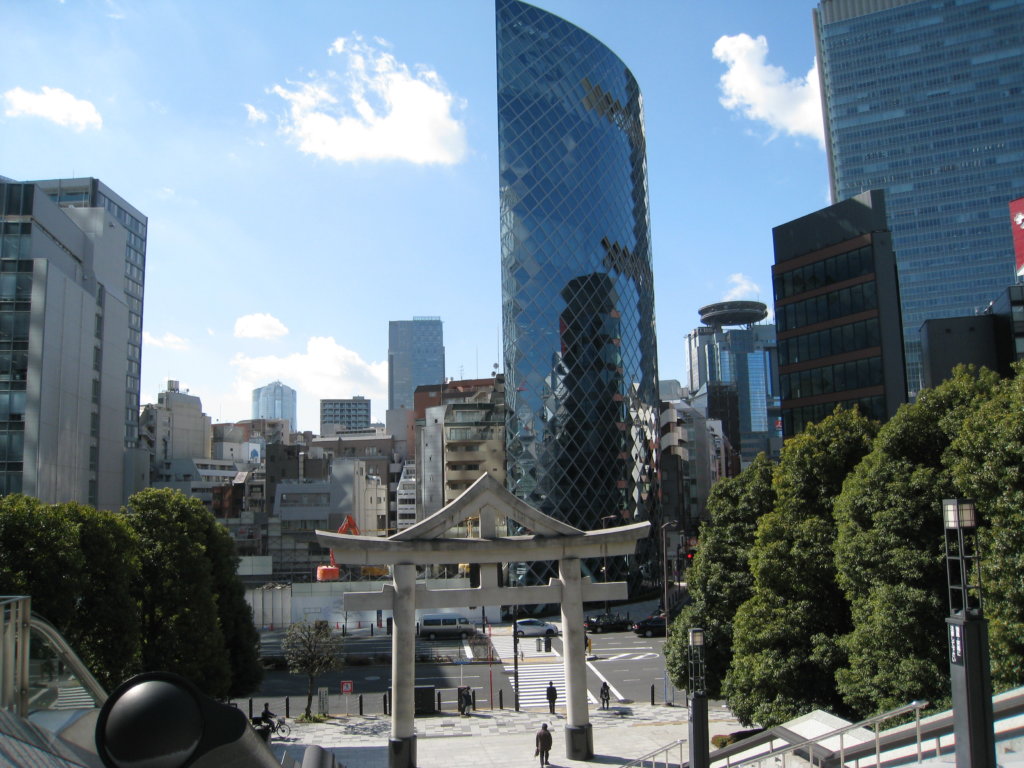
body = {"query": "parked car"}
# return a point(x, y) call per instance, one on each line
point(607, 622)
point(651, 626)
point(535, 627)
point(445, 625)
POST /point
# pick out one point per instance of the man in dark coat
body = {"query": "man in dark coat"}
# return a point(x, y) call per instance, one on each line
point(543, 744)
point(552, 696)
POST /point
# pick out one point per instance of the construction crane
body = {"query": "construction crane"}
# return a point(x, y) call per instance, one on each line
point(332, 572)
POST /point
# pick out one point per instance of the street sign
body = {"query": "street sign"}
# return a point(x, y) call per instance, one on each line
point(346, 687)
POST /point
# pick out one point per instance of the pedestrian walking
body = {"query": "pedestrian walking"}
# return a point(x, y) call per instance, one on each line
point(552, 694)
point(543, 744)
point(606, 695)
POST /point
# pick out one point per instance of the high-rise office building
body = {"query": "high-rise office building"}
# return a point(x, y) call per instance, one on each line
point(923, 99)
point(837, 306)
point(72, 271)
point(275, 401)
point(734, 378)
point(577, 288)
point(415, 357)
point(346, 413)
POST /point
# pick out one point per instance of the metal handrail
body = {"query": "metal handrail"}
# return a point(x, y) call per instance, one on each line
point(744, 746)
point(16, 626)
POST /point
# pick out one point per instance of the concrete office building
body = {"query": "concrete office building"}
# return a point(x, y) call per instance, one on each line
point(458, 440)
point(175, 427)
point(72, 271)
point(923, 100)
point(275, 401)
point(837, 309)
point(734, 377)
point(577, 285)
point(415, 357)
point(351, 413)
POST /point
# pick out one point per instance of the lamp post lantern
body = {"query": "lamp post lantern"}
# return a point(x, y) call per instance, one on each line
point(969, 673)
point(698, 736)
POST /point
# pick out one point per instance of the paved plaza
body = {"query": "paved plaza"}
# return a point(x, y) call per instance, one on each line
point(503, 737)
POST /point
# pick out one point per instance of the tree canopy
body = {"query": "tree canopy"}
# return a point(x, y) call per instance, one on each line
point(785, 636)
point(153, 589)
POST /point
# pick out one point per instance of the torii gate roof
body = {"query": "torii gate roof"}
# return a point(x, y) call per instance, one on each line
point(487, 499)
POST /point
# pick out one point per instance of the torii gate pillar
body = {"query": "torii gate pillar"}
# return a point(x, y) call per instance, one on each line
point(579, 734)
point(402, 744)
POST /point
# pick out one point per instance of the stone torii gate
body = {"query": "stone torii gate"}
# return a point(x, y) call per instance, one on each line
point(425, 544)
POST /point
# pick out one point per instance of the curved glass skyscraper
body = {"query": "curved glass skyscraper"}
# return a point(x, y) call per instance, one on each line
point(577, 291)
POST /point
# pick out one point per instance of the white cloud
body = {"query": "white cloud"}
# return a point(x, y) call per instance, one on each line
point(378, 109)
point(54, 104)
point(259, 326)
point(167, 341)
point(762, 92)
point(255, 115)
point(742, 288)
point(325, 369)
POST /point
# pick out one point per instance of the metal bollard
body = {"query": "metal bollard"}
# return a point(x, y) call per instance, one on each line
point(652, 694)
point(438, 701)
point(371, 630)
point(287, 706)
point(501, 699)
point(386, 705)
point(250, 710)
point(474, 699)
point(360, 705)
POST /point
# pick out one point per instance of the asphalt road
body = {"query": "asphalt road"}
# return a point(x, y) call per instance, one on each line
point(632, 666)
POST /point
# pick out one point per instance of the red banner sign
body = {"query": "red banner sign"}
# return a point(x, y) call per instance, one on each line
point(1017, 221)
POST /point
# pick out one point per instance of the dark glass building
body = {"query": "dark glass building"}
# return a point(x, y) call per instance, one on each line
point(415, 357)
point(837, 309)
point(925, 100)
point(577, 292)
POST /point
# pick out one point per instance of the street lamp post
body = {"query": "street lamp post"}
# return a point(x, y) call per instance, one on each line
point(664, 570)
point(969, 673)
point(698, 741)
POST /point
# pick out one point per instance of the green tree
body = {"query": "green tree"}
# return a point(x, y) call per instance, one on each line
point(889, 555)
point(989, 466)
point(78, 565)
point(719, 580)
point(311, 649)
point(241, 639)
point(178, 606)
point(106, 631)
point(786, 636)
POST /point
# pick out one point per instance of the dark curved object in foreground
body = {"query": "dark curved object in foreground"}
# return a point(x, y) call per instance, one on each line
point(161, 720)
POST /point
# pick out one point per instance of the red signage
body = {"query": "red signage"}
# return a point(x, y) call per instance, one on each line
point(1017, 221)
point(346, 687)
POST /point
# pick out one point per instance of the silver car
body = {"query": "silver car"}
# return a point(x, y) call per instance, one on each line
point(535, 627)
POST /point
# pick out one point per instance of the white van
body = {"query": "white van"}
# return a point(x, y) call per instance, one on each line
point(445, 625)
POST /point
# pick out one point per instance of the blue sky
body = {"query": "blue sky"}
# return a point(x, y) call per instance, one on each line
point(314, 169)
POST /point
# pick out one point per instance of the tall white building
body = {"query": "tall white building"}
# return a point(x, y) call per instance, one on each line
point(72, 275)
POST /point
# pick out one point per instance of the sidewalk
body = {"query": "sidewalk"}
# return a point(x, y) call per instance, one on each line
point(503, 738)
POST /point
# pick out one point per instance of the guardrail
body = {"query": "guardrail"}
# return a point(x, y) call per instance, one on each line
point(814, 752)
point(18, 678)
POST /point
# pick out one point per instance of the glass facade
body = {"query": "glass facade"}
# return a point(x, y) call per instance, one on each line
point(275, 401)
point(733, 379)
point(15, 308)
point(415, 358)
point(577, 291)
point(924, 100)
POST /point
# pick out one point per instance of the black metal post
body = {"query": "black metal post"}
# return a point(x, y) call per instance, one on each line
point(969, 670)
point(698, 736)
point(515, 657)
